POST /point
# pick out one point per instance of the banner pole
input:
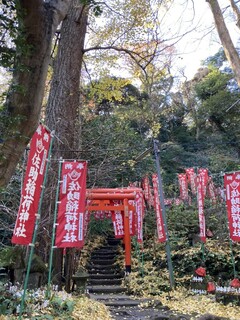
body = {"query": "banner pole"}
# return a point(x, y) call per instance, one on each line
point(54, 229)
point(233, 259)
point(142, 253)
point(38, 215)
point(203, 251)
point(161, 198)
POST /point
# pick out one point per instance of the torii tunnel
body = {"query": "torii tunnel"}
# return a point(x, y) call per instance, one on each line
point(101, 200)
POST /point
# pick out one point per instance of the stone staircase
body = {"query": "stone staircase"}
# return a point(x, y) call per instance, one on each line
point(105, 276)
point(105, 285)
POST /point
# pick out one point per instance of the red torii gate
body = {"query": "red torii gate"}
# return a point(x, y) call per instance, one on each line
point(101, 202)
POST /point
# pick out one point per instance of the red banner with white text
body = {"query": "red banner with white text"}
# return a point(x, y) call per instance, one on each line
point(191, 178)
point(132, 217)
point(139, 216)
point(232, 186)
point(201, 216)
point(160, 225)
point(118, 225)
point(203, 173)
point(70, 222)
point(146, 190)
point(211, 191)
point(31, 191)
point(183, 185)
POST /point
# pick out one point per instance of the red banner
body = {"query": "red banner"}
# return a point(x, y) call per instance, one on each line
point(182, 179)
point(117, 220)
point(31, 190)
point(70, 231)
point(146, 190)
point(151, 200)
point(132, 218)
point(191, 177)
point(204, 179)
point(139, 216)
point(202, 224)
point(211, 191)
point(99, 215)
point(232, 186)
point(160, 225)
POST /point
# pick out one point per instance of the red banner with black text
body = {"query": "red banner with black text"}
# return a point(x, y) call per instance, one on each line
point(32, 186)
point(70, 221)
point(232, 187)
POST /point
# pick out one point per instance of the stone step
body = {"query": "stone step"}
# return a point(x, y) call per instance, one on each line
point(103, 256)
point(105, 252)
point(106, 276)
point(90, 266)
point(113, 242)
point(104, 282)
point(109, 248)
point(105, 297)
point(102, 262)
point(106, 289)
point(123, 300)
point(102, 271)
point(116, 300)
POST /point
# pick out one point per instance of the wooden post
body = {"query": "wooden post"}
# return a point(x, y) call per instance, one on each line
point(127, 237)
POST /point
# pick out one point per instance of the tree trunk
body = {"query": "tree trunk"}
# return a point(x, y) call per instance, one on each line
point(38, 20)
point(229, 49)
point(63, 103)
point(236, 12)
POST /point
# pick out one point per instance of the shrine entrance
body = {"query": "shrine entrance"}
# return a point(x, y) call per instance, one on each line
point(122, 200)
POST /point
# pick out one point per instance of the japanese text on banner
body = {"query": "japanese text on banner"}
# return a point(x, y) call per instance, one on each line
point(160, 225)
point(202, 224)
point(183, 185)
point(70, 222)
point(31, 191)
point(232, 186)
point(139, 216)
point(191, 178)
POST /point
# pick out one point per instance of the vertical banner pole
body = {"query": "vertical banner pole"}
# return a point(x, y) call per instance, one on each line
point(54, 229)
point(233, 259)
point(142, 253)
point(203, 251)
point(161, 198)
point(35, 230)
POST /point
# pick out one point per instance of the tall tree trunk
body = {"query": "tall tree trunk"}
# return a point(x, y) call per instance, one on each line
point(229, 49)
point(63, 103)
point(236, 12)
point(38, 20)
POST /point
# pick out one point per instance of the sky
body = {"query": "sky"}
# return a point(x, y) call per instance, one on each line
point(203, 42)
point(193, 18)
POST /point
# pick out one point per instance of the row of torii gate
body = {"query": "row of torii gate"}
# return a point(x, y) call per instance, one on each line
point(101, 200)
